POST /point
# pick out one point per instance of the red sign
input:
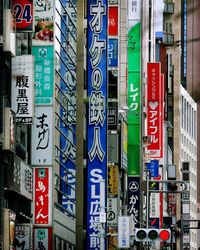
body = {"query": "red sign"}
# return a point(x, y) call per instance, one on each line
point(23, 11)
point(113, 21)
point(154, 109)
point(42, 203)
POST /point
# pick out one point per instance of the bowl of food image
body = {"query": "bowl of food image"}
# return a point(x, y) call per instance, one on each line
point(44, 31)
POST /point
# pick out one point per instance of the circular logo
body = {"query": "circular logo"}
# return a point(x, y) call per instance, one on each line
point(110, 216)
point(133, 186)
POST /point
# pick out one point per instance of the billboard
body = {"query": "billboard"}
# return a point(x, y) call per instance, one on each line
point(97, 117)
point(23, 11)
point(22, 88)
point(43, 74)
point(42, 196)
point(154, 109)
point(42, 136)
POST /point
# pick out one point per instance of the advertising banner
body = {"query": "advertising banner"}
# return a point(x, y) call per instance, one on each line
point(112, 209)
point(22, 88)
point(23, 235)
point(134, 199)
point(42, 196)
point(23, 11)
point(43, 238)
point(112, 52)
point(113, 180)
point(44, 77)
point(67, 101)
point(124, 232)
point(134, 86)
point(113, 21)
point(154, 108)
point(97, 117)
point(43, 22)
point(42, 136)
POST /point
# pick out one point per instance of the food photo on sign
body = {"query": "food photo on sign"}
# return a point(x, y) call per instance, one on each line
point(44, 31)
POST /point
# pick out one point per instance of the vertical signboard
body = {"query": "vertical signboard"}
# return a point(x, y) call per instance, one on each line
point(67, 101)
point(43, 238)
point(154, 108)
point(42, 196)
point(113, 52)
point(23, 10)
point(97, 117)
point(134, 88)
point(23, 236)
point(124, 232)
point(43, 72)
point(43, 22)
point(134, 199)
point(22, 88)
point(42, 136)
point(113, 21)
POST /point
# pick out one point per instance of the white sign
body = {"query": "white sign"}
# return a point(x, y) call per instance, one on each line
point(124, 232)
point(102, 217)
point(112, 211)
point(22, 236)
point(42, 136)
point(23, 88)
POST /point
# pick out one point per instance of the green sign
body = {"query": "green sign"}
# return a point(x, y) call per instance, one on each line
point(134, 48)
point(44, 73)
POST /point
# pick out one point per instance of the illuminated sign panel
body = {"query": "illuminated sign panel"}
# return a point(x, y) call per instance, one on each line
point(97, 116)
point(42, 196)
point(154, 109)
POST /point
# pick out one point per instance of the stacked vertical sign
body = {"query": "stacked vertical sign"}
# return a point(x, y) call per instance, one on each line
point(97, 118)
point(42, 128)
point(155, 117)
point(67, 101)
point(134, 54)
point(154, 109)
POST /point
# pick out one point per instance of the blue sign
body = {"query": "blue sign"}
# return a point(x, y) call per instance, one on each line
point(134, 199)
point(67, 102)
point(113, 52)
point(97, 117)
point(153, 167)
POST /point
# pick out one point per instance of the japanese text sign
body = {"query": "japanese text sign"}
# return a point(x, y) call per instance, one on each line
point(113, 52)
point(43, 74)
point(124, 232)
point(42, 196)
point(113, 21)
point(134, 199)
point(67, 99)
point(42, 136)
point(22, 88)
point(154, 108)
point(43, 238)
point(97, 115)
